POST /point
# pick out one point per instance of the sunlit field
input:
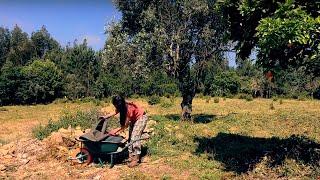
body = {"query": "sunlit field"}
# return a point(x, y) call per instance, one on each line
point(228, 138)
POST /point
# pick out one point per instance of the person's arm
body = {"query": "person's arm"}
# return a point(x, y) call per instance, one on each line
point(109, 115)
point(120, 129)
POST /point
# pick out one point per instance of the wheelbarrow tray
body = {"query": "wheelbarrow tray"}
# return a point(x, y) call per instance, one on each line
point(100, 147)
point(104, 147)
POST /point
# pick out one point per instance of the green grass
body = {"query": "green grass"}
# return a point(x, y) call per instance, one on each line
point(84, 119)
point(234, 144)
point(232, 139)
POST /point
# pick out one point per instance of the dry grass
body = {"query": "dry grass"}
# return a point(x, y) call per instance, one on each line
point(187, 146)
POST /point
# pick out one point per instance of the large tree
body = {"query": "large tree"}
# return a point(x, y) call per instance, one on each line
point(176, 34)
point(43, 42)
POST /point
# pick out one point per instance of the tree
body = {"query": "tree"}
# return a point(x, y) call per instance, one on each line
point(290, 38)
point(80, 64)
point(11, 81)
point(43, 42)
point(43, 82)
point(21, 48)
point(177, 35)
point(4, 45)
point(243, 16)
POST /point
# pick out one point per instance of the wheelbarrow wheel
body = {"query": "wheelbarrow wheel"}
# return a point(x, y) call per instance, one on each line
point(84, 156)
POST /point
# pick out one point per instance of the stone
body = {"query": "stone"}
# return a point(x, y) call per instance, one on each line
point(3, 152)
point(97, 177)
point(2, 167)
point(24, 156)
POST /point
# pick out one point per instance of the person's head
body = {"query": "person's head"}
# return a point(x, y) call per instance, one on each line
point(120, 104)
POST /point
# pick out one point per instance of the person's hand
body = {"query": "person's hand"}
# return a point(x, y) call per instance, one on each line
point(113, 132)
point(102, 118)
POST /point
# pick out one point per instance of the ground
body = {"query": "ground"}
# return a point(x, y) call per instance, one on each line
point(233, 138)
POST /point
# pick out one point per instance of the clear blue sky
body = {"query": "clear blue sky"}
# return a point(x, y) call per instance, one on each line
point(65, 20)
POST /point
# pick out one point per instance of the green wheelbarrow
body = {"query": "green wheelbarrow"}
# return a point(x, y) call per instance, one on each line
point(96, 145)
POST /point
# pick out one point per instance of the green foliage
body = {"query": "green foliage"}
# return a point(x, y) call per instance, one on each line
point(3, 109)
point(216, 100)
point(153, 100)
point(247, 97)
point(281, 101)
point(42, 82)
point(80, 118)
point(223, 84)
point(288, 38)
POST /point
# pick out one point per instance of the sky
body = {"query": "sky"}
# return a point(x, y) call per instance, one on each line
point(66, 20)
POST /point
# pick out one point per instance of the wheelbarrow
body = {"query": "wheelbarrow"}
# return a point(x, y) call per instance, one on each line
point(97, 144)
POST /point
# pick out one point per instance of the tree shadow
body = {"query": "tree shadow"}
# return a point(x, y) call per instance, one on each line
point(197, 118)
point(241, 153)
point(204, 118)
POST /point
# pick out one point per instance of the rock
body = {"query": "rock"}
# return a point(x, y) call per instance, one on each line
point(97, 177)
point(24, 161)
point(7, 146)
point(2, 167)
point(24, 156)
point(3, 152)
point(7, 156)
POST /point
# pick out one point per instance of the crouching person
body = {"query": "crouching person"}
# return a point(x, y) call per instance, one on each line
point(135, 118)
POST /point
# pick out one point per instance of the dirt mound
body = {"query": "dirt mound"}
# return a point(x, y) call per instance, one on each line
point(34, 159)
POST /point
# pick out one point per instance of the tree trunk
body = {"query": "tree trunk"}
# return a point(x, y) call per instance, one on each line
point(187, 89)
point(186, 106)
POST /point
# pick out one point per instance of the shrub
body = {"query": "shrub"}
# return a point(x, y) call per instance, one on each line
point(3, 109)
point(272, 106)
point(207, 98)
point(154, 100)
point(216, 100)
point(61, 100)
point(80, 118)
point(281, 101)
point(172, 99)
point(245, 96)
point(166, 104)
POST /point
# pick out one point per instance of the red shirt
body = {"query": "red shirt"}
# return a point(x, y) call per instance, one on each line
point(134, 112)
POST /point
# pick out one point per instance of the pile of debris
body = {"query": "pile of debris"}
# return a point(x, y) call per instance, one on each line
point(22, 157)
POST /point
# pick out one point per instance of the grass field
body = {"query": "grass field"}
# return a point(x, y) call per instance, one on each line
point(229, 139)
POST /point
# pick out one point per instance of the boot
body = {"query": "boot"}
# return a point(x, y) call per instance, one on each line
point(134, 161)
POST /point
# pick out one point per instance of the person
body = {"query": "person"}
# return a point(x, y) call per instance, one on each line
point(135, 118)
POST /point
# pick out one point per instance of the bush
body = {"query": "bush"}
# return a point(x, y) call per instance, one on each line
point(207, 98)
point(61, 100)
point(80, 118)
point(166, 104)
point(245, 96)
point(216, 100)
point(154, 100)
point(3, 109)
point(281, 101)
point(272, 106)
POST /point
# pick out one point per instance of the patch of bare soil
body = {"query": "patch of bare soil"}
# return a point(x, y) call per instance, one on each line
point(30, 158)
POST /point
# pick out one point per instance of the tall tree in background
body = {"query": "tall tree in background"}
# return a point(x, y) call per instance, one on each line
point(178, 34)
point(81, 67)
point(43, 42)
point(21, 48)
point(4, 44)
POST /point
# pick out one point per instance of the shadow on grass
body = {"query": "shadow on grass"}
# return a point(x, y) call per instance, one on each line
point(241, 153)
point(197, 118)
